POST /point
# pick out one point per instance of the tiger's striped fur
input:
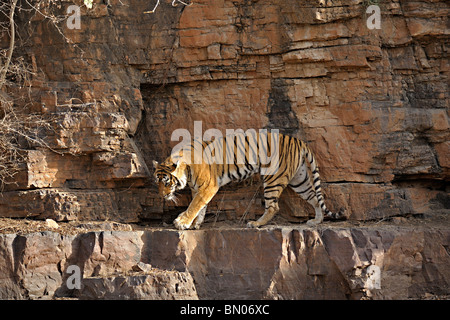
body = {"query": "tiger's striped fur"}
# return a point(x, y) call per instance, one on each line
point(234, 158)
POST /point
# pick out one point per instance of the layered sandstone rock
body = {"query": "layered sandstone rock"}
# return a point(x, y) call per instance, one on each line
point(337, 261)
point(372, 104)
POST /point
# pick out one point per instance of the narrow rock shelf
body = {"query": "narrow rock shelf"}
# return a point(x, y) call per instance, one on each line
point(396, 259)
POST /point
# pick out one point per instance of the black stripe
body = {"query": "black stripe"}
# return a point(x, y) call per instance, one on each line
point(189, 174)
point(248, 165)
point(246, 140)
point(229, 173)
point(296, 152)
point(274, 186)
point(281, 161)
point(306, 190)
point(288, 142)
point(247, 156)
point(195, 181)
point(310, 197)
point(234, 149)
point(298, 185)
point(275, 178)
point(262, 144)
point(252, 151)
point(237, 170)
point(280, 143)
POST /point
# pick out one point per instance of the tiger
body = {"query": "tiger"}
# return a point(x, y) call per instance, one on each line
point(281, 160)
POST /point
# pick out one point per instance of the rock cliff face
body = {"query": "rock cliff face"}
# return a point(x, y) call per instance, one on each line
point(371, 103)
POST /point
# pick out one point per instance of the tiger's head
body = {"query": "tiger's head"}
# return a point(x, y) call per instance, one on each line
point(170, 177)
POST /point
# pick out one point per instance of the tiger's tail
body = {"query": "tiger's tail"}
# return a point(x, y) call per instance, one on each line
point(317, 188)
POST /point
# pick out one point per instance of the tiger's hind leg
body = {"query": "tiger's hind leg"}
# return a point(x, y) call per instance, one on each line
point(310, 196)
point(318, 210)
point(266, 217)
point(271, 195)
point(301, 184)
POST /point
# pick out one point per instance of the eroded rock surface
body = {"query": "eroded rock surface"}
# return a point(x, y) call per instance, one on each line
point(334, 261)
point(371, 103)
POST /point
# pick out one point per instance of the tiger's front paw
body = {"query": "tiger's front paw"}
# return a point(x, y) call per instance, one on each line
point(253, 224)
point(181, 222)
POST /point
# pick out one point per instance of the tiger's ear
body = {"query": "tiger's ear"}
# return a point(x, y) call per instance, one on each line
point(155, 163)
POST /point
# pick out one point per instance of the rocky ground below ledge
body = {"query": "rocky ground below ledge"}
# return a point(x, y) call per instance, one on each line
point(397, 258)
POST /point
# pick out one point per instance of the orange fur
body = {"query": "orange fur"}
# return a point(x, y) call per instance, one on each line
point(290, 163)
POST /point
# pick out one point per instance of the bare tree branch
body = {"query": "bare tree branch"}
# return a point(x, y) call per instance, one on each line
point(174, 4)
point(11, 43)
point(20, 130)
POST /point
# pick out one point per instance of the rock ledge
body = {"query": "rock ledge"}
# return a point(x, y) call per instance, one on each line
point(335, 261)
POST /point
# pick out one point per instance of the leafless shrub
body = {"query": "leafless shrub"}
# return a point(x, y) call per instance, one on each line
point(174, 4)
point(20, 130)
